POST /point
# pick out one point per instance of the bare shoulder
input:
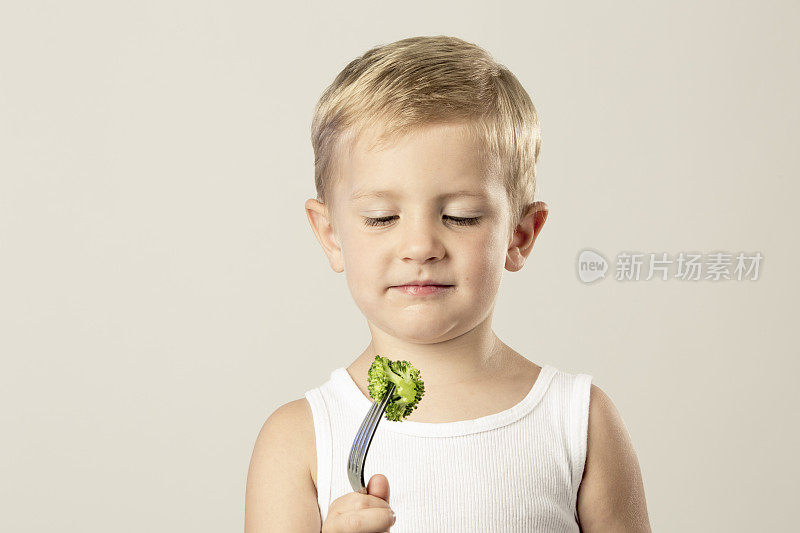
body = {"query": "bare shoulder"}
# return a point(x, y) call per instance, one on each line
point(281, 493)
point(296, 421)
point(611, 494)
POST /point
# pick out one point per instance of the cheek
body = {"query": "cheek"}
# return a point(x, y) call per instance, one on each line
point(483, 260)
point(362, 263)
point(490, 248)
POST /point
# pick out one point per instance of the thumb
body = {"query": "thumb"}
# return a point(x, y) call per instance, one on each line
point(379, 486)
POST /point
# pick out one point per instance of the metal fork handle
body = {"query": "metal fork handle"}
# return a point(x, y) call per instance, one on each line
point(363, 440)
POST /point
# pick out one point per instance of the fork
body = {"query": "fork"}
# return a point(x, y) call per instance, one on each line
point(358, 453)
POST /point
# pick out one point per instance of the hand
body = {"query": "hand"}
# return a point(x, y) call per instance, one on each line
point(358, 512)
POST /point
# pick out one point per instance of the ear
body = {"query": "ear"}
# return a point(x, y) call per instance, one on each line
point(521, 244)
point(319, 218)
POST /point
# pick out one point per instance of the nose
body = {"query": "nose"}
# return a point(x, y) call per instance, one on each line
point(419, 240)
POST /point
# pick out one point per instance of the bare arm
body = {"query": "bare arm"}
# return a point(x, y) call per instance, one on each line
point(280, 494)
point(611, 495)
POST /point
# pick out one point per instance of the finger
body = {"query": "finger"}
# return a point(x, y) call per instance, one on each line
point(356, 500)
point(379, 486)
point(372, 520)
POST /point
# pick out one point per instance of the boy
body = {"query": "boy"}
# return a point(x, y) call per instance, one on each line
point(425, 173)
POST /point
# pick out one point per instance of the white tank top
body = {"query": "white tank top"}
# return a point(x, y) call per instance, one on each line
point(513, 471)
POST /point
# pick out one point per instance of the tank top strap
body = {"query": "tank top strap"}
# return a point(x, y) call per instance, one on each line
point(324, 447)
point(581, 385)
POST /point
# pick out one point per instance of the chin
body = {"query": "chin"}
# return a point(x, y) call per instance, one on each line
point(426, 331)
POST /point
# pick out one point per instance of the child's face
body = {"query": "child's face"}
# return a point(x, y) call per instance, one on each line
point(414, 237)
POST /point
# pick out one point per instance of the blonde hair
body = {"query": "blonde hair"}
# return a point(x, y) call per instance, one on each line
point(422, 81)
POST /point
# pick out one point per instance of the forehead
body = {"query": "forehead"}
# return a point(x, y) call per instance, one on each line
point(440, 160)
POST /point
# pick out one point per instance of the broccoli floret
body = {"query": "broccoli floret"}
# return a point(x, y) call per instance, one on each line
point(408, 391)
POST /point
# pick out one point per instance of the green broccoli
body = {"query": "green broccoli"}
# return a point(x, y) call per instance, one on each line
point(408, 391)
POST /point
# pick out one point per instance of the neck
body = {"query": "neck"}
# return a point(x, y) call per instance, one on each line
point(472, 356)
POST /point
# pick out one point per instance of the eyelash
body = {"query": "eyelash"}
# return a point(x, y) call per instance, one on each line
point(458, 221)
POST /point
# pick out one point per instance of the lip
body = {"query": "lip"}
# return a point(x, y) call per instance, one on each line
point(422, 290)
point(423, 282)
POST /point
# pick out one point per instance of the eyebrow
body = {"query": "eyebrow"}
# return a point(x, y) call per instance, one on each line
point(359, 194)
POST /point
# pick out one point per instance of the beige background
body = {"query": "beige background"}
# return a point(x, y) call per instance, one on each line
point(161, 292)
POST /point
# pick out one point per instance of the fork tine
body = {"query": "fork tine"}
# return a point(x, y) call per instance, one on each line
point(362, 431)
point(359, 444)
point(369, 426)
point(369, 419)
point(351, 463)
point(363, 440)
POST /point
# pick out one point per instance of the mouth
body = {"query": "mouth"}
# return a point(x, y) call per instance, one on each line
point(423, 285)
point(420, 290)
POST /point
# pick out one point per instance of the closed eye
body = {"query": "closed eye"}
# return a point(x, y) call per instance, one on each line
point(461, 221)
point(458, 221)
